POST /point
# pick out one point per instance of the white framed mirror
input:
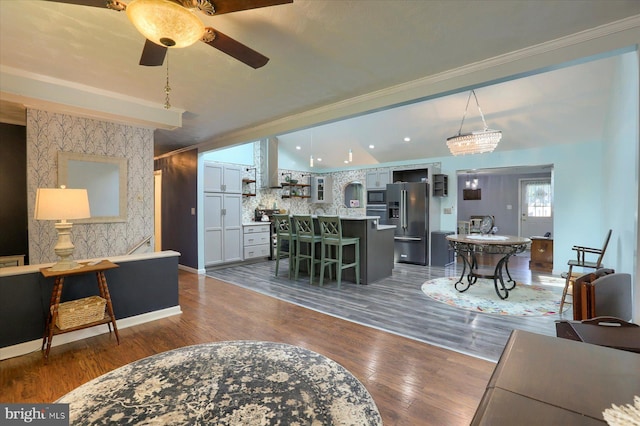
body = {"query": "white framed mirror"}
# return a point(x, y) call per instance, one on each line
point(105, 179)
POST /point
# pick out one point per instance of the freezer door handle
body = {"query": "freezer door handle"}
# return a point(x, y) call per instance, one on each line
point(403, 209)
point(407, 238)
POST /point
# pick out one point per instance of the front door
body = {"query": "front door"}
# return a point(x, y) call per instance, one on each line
point(536, 207)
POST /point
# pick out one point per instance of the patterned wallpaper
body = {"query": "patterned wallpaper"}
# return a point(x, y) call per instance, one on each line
point(266, 198)
point(48, 133)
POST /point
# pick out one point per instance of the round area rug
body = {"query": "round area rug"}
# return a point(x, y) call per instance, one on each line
point(227, 383)
point(481, 297)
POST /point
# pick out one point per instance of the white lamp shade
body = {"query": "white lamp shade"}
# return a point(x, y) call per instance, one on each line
point(61, 204)
point(165, 22)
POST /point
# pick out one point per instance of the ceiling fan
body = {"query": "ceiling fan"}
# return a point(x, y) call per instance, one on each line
point(173, 23)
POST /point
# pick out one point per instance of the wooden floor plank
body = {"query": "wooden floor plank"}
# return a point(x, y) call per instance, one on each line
point(411, 382)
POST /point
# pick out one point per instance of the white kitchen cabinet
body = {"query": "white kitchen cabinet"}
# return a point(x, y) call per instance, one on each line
point(257, 240)
point(222, 228)
point(378, 179)
point(220, 177)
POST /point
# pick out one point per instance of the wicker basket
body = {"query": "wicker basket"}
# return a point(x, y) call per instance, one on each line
point(79, 312)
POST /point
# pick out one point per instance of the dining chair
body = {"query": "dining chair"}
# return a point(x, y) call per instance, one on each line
point(581, 261)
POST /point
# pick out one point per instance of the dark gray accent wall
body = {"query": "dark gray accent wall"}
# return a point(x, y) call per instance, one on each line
point(13, 191)
point(498, 191)
point(136, 287)
point(179, 196)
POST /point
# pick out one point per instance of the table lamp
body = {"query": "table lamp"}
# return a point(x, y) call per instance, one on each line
point(62, 204)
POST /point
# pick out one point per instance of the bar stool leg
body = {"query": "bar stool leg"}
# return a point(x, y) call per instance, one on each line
point(357, 267)
point(340, 250)
point(278, 242)
point(312, 262)
point(323, 248)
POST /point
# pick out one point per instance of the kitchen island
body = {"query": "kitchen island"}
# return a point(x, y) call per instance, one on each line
point(376, 248)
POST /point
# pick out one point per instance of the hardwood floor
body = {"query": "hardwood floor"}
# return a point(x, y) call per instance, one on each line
point(412, 382)
point(397, 304)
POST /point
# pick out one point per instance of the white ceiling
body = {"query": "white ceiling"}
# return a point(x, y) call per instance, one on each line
point(329, 59)
point(567, 105)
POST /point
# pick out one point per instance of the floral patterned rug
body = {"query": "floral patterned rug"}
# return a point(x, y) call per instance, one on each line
point(481, 297)
point(226, 383)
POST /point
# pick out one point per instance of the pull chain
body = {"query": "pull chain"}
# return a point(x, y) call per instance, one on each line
point(167, 88)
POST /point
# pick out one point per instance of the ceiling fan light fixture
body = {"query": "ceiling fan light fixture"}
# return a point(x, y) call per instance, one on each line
point(165, 22)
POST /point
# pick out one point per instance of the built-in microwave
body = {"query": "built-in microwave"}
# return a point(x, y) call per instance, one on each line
point(377, 196)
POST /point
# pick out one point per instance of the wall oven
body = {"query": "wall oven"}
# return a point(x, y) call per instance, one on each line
point(376, 196)
point(378, 210)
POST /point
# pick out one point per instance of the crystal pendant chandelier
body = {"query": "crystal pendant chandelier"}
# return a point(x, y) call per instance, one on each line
point(475, 142)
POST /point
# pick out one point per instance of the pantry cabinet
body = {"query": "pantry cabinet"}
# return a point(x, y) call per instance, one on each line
point(220, 177)
point(222, 228)
point(222, 206)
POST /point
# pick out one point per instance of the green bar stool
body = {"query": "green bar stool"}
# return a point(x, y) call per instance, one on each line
point(284, 232)
point(305, 233)
point(331, 232)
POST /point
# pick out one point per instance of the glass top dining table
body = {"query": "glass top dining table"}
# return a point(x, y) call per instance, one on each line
point(469, 246)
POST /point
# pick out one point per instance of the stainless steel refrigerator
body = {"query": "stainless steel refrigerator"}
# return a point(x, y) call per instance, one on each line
point(408, 209)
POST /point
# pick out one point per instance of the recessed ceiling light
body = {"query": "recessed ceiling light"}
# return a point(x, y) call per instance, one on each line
point(371, 146)
point(407, 139)
point(298, 148)
point(346, 161)
point(319, 159)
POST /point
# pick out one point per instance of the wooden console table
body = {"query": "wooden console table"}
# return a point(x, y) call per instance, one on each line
point(54, 302)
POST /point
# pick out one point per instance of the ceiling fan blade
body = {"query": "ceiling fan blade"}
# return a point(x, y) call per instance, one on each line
point(228, 6)
point(237, 50)
point(152, 54)
point(93, 3)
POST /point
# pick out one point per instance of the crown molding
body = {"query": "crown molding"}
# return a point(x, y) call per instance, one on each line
point(51, 94)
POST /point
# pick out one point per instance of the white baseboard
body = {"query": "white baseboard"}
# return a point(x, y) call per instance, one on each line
point(61, 339)
point(189, 269)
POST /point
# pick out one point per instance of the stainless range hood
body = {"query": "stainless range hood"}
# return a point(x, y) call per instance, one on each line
point(269, 177)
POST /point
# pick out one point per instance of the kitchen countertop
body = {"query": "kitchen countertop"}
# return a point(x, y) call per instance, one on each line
point(379, 227)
